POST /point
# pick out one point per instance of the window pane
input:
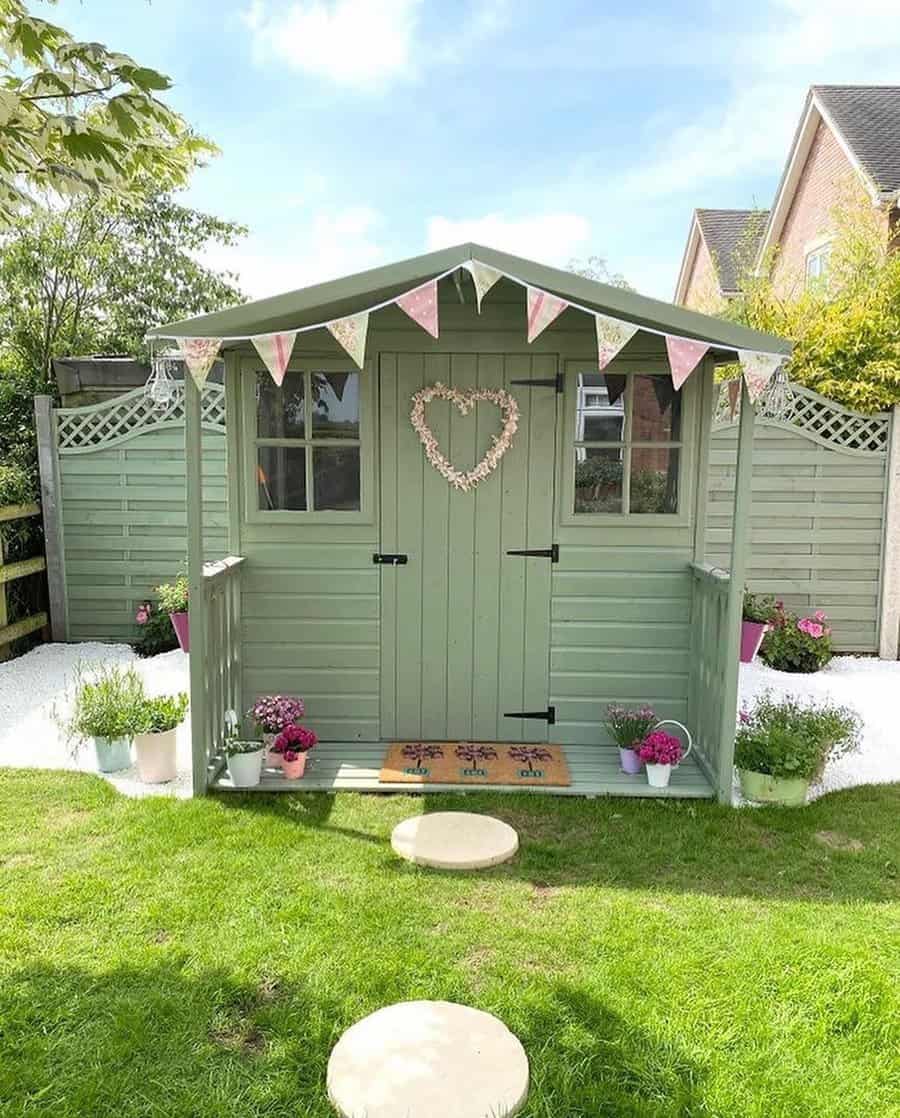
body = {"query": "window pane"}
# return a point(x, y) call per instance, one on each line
point(335, 405)
point(279, 411)
point(656, 410)
point(654, 479)
point(598, 479)
point(281, 477)
point(336, 477)
point(600, 415)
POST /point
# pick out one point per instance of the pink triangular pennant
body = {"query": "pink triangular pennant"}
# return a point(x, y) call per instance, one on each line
point(199, 355)
point(734, 394)
point(543, 308)
point(684, 356)
point(421, 304)
point(612, 335)
point(758, 369)
point(351, 333)
point(275, 350)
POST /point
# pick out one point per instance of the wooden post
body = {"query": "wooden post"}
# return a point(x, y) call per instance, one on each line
point(193, 462)
point(740, 544)
point(704, 428)
point(889, 620)
point(51, 509)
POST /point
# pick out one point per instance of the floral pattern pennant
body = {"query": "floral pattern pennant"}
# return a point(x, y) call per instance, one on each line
point(684, 356)
point(484, 277)
point(199, 355)
point(275, 351)
point(758, 370)
point(612, 335)
point(421, 304)
point(543, 308)
point(351, 332)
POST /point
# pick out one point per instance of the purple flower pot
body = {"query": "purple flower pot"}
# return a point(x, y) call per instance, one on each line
point(630, 761)
point(752, 633)
point(182, 630)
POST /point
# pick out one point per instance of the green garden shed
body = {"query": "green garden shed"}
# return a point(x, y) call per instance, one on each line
point(409, 593)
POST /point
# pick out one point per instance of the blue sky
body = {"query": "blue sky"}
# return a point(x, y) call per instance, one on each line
point(356, 132)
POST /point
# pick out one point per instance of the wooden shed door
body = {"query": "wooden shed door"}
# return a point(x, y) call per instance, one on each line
point(465, 627)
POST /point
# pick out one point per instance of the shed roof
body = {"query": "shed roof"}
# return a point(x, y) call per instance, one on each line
point(324, 302)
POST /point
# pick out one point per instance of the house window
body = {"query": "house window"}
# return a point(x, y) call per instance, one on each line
point(308, 442)
point(627, 443)
point(817, 264)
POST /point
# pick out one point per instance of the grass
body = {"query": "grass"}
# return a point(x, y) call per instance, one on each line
point(201, 958)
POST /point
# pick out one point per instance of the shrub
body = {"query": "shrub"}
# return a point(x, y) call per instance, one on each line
point(597, 470)
point(797, 644)
point(16, 486)
point(155, 716)
point(790, 738)
point(173, 596)
point(759, 608)
point(650, 492)
point(628, 728)
point(157, 634)
point(107, 704)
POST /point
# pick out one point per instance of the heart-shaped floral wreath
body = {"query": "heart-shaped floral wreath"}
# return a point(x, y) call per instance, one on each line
point(465, 400)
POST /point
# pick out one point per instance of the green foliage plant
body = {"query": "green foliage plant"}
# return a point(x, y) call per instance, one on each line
point(796, 644)
point(155, 716)
point(173, 596)
point(156, 633)
point(760, 608)
point(788, 737)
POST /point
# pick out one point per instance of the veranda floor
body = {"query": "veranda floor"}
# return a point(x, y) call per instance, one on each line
point(354, 767)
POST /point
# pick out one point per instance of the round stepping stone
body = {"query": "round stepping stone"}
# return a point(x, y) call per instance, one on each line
point(428, 1060)
point(454, 840)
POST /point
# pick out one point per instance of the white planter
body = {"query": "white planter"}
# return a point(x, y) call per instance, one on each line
point(245, 769)
point(156, 757)
point(658, 775)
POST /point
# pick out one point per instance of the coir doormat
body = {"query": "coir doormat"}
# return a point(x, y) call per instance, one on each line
point(474, 762)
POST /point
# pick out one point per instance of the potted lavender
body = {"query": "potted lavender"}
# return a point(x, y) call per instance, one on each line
point(272, 714)
point(628, 728)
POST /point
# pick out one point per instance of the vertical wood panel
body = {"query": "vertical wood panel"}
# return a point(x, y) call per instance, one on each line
point(388, 543)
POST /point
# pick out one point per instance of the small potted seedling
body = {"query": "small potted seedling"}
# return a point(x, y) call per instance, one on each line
point(757, 616)
point(271, 714)
point(293, 743)
point(244, 757)
point(628, 728)
point(154, 742)
point(661, 752)
point(173, 598)
point(106, 710)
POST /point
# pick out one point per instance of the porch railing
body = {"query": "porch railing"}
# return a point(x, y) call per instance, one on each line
point(222, 659)
point(708, 682)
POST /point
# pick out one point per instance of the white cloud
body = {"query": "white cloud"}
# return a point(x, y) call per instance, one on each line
point(350, 42)
point(332, 245)
point(549, 238)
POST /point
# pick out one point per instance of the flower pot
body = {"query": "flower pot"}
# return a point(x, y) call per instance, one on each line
point(752, 633)
point(762, 788)
point(182, 630)
point(245, 769)
point(658, 775)
point(155, 755)
point(629, 761)
point(293, 770)
point(113, 754)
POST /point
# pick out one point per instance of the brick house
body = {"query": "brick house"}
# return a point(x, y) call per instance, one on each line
point(846, 147)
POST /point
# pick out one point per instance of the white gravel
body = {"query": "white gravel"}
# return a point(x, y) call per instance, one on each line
point(32, 685)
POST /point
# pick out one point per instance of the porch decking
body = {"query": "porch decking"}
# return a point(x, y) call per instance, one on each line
point(354, 767)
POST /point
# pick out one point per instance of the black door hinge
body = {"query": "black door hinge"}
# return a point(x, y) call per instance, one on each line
point(389, 560)
point(551, 553)
point(548, 715)
point(555, 383)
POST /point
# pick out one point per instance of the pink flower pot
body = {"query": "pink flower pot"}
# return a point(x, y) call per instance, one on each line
point(182, 630)
point(630, 761)
point(752, 633)
point(293, 770)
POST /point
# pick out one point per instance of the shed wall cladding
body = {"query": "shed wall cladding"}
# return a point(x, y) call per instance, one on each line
point(818, 513)
point(123, 512)
point(620, 595)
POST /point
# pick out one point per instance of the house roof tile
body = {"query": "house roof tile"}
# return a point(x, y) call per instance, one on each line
point(868, 118)
point(729, 236)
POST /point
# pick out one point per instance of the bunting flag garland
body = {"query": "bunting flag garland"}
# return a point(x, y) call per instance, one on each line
point(543, 308)
point(199, 355)
point(421, 304)
point(758, 369)
point(612, 335)
point(351, 332)
point(484, 277)
point(275, 350)
point(734, 394)
point(684, 356)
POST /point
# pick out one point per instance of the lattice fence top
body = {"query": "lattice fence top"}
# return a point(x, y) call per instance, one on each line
point(817, 418)
point(79, 430)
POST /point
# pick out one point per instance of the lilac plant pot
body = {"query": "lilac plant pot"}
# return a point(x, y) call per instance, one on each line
point(752, 633)
point(630, 761)
point(182, 630)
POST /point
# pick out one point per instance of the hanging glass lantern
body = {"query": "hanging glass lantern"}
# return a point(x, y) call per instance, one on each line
point(161, 388)
point(779, 401)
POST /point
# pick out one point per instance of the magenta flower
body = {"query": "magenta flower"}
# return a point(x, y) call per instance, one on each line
point(295, 739)
point(660, 748)
point(143, 613)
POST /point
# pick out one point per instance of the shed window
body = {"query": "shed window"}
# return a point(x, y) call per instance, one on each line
point(308, 442)
point(627, 443)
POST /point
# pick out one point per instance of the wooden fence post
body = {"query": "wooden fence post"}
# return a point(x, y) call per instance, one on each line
point(50, 508)
point(889, 621)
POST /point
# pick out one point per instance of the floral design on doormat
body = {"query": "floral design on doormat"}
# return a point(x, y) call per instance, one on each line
point(418, 751)
point(530, 757)
point(466, 751)
point(465, 400)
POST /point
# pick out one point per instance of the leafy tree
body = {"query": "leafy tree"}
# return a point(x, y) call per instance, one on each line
point(596, 268)
point(76, 117)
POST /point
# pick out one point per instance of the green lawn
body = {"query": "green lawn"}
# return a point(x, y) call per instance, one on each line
point(201, 958)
